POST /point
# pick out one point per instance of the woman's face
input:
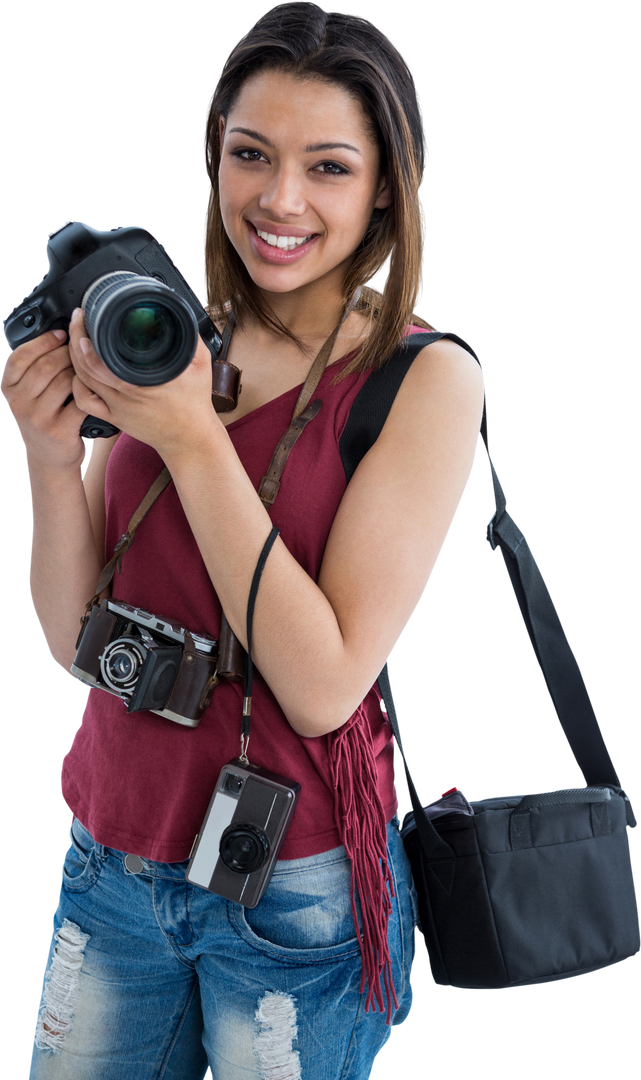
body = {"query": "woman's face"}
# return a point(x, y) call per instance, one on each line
point(299, 179)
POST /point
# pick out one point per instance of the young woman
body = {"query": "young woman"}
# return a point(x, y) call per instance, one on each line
point(315, 154)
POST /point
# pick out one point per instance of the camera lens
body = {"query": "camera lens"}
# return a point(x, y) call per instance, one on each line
point(244, 848)
point(147, 332)
point(143, 330)
point(121, 667)
point(120, 664)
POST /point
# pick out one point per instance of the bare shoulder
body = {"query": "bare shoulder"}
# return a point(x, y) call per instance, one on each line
point(450, 356)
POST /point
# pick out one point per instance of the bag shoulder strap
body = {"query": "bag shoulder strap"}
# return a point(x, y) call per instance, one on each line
point(374, 400)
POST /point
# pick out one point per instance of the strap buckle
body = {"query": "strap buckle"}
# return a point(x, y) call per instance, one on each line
point(125, 542)
point(123, 545)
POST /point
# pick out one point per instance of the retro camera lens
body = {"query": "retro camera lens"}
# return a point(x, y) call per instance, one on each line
point(120, 664)
point(143, 330)
point(244, 848)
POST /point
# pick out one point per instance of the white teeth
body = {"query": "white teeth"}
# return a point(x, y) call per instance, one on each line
point(287, 243)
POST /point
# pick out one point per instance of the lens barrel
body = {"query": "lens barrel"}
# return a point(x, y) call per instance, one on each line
point(244, 848)
point(120, 664)
point(142, 330)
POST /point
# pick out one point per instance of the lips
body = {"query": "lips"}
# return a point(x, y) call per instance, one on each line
point(288, 247)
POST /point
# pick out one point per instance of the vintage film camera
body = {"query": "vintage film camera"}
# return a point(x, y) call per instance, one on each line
point(150, 662)
point(235, 853)
point(140, 313)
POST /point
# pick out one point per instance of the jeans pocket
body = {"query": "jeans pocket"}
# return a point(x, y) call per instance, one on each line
point(83, 861)
point(307, 909)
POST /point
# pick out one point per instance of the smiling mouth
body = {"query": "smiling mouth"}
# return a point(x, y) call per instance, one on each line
point(285, 243)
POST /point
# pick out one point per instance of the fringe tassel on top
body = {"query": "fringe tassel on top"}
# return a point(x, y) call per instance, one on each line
point(361, 823)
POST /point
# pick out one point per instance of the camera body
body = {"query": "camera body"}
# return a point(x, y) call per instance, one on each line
point(148, 661)
point(140, 313)
point(235, 853)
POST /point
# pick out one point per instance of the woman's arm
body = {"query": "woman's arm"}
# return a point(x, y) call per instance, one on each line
point(64, 561)
point(321, 646)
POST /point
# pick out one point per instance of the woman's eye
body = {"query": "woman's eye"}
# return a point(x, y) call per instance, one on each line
point(249, 155)
point(331, 164)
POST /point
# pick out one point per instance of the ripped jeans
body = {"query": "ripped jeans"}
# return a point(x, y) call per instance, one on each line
point(150, 978)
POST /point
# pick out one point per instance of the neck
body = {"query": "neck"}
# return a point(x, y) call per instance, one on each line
point(312, 311)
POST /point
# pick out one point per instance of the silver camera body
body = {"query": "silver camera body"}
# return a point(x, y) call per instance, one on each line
point(235, 853)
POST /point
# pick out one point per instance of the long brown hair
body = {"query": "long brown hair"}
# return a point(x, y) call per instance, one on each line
point(302, 40)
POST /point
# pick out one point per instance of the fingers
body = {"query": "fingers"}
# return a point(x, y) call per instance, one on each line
point(25, 356)
point(92, 377)
point(77, 333)
point(87, 364)
point(83, 394)
point(23, 393)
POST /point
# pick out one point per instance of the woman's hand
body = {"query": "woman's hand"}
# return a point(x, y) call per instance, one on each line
point(37, 382)
point(171, 418)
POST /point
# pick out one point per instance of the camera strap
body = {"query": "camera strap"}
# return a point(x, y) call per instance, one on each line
point(248, 665)
point(126, 540)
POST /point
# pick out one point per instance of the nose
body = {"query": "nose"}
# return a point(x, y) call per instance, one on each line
point(283, 196)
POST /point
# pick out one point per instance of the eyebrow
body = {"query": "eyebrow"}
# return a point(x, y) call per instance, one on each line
point(314, 148)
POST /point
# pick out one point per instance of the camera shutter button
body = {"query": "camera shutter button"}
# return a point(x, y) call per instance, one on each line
point(134, 864)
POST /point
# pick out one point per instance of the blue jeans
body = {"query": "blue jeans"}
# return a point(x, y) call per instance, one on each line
point(149, 977)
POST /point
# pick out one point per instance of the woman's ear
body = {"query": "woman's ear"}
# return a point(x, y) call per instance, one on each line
point(384, 195)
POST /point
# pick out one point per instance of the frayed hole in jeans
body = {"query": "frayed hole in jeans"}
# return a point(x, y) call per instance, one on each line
point(61, 992)
point(276, 1017)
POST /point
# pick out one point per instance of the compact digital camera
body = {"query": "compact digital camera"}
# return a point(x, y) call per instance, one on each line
point(150, 662)
point(141, 315)
point(235, 853)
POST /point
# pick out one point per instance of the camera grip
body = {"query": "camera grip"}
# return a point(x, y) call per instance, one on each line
point(231, 654)
point(93, 427)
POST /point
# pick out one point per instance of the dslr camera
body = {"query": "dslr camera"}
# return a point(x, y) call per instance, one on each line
point(141, 315)
point(150, 662)
point(235, 853)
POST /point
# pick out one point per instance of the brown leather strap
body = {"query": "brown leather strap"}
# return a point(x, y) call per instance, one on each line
point(270, 483)
point(301, 416)
point(127, 538)
point(315, 373)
